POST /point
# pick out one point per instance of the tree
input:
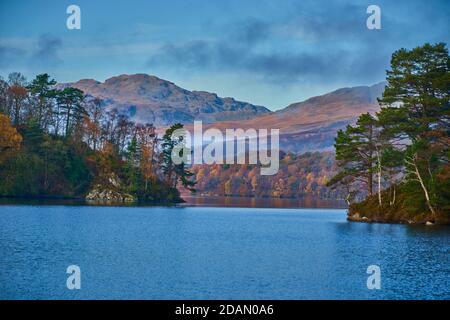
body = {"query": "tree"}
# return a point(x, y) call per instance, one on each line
point(17, 79)
point(416, 98)
point(147, 141)
point(42, 88)
point(93, 122)
point(9, 138)
point(3, 97)
point(415, 113)
point(132, 165)
point(109, 125)
point(175, 172)
point(70, 101)
point(124, 128)
point(392, 164)
point(356, 152)
point(17, 95)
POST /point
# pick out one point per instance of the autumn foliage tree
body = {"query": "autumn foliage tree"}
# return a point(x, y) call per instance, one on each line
point(10, 139)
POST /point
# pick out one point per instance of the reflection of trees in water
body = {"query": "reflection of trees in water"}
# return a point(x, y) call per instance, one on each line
point(254, 202)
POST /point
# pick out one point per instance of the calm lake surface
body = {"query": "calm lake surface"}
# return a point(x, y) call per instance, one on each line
point(192, 252)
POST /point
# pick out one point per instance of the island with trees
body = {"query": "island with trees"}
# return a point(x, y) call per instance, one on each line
point(60, 143)
point(399, 157)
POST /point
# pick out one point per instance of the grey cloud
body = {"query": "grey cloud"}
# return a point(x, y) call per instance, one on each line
point(283, 67)
point(251, 32)
point(315, 41)
point(10, 55)
point(42, 53)
point(46, 52)
point(330, 20)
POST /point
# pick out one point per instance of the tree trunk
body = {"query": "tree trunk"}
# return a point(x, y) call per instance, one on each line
point(16, 113)
point(392, 201)
point(424, 188)
point(67, 120)
point(347, 199)
point(370, 183)
point(379, 177)
point(40, 111)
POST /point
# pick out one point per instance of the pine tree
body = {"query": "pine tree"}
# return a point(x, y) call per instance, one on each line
point(356, 152)
point(42, 88)
point(70, 101)
point(175, 172)
point(415, 113)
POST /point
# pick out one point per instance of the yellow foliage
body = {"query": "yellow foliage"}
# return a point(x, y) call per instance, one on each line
point(10, 139)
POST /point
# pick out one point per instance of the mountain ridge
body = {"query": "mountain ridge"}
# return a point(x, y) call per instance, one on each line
point(147, 98)
point(311, 125)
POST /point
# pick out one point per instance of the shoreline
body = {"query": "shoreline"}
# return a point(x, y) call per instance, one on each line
point(364, 219)
point(80, 201)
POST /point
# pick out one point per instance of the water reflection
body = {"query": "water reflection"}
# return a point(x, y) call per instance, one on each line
point(197, 201)
point(251, 202)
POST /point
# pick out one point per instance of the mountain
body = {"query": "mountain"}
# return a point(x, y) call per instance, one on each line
point(147, 98)
point(311, 125)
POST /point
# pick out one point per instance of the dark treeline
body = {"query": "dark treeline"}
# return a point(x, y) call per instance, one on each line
point(58, 142)
point(401, 154)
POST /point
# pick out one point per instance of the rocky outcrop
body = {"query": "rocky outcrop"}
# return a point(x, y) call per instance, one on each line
point(99, 193)
point(358, 218)
point(109, 191)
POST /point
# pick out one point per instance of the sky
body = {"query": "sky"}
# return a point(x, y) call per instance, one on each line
point(266, 52)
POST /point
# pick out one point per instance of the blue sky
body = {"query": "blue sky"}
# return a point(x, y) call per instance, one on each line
point(267, 52)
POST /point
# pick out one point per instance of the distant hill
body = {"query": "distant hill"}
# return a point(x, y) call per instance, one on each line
point(311, 125)
point(147, 98)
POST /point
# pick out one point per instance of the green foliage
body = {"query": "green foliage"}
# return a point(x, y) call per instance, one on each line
point(70, 105)
point(46, 166)
point(176, 172)
point(416, 99)
point(355, 151)
point(42, 89)
point(414, 138)
point(20, 176)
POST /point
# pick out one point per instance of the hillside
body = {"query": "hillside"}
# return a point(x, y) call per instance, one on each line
point(299, 176)
point(311, 125)
point(147, 98)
